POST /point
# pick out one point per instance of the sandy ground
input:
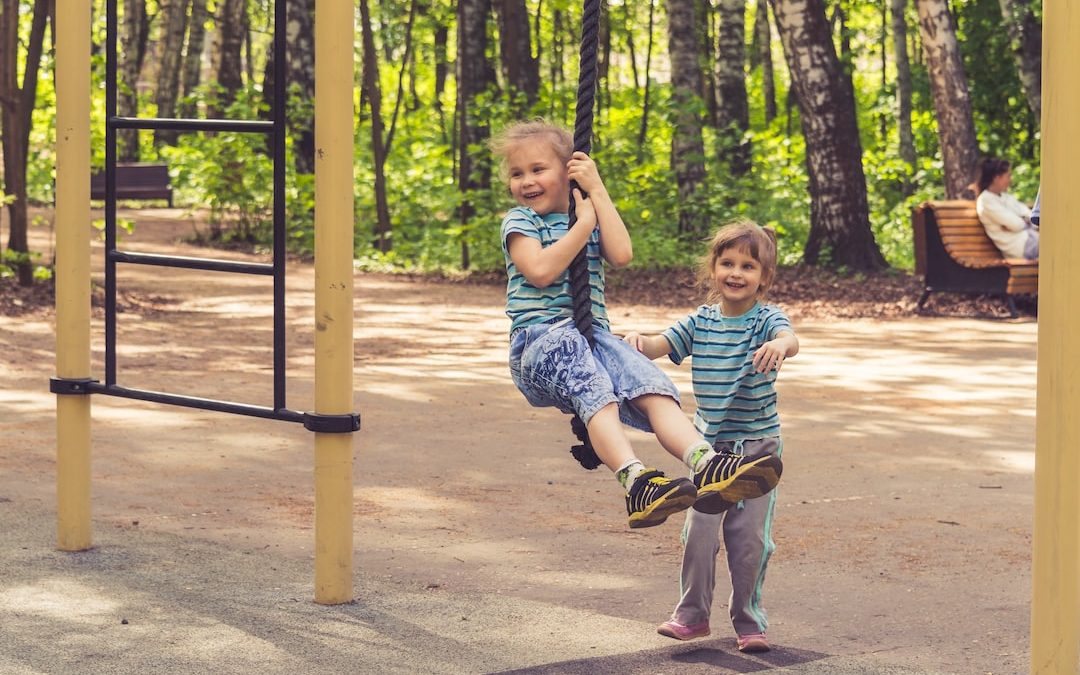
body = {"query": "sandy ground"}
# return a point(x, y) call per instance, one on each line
point(904, 519)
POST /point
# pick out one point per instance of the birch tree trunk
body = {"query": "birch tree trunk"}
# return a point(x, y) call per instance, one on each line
point(762, 55)
point(1025, 34)
point(903, 87)
point(16, 108)
point(474, 74)
point(839, 215)
point(228, 64)
point(175, 15)
point(687, 143)
point(521, 70)
point(373, 94)
point(948, 84)
point(732, 111)
point(134, 27)
point(191, 75)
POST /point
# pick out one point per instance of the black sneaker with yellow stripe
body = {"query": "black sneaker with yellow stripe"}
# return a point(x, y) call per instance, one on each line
point(728, 478)
point(653, 497)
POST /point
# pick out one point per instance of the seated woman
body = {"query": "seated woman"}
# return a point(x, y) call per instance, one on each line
point(1007, 220)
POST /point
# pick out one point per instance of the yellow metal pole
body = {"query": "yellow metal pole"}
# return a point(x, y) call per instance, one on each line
point(1055, 606)
point(73, 271)
point(334, 35)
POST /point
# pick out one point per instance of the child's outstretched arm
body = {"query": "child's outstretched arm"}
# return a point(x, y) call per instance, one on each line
point(652, 346)
point(542, 266)
point(615, 244)
point(771, 355)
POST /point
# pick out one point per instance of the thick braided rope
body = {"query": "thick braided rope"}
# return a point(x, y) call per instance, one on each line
point(579, 268)
point(583, 129)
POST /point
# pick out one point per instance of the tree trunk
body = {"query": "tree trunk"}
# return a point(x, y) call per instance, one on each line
point(603, 67)
point(643, 130)
point(16, 108)
point(732, 112)
point(405, 61)
point(168, 81)
point(300, 37)
point(903, 89)
point(763, 56)
point(521, 70)
point(706, 51)
point(839, 215)
point(192, 71)
point(442, 68)
point(1025, 34)
point(228, 64)
point(687, 143)
point(374, 99)
point(948, 84)
point(134, 25)
point(474, 74)
point(628, 30)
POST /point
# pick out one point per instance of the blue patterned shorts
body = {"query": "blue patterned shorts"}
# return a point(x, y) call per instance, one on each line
point(553, 366)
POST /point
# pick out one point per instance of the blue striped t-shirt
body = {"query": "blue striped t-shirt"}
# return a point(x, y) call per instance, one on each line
point(526, 304)
point(734, 401)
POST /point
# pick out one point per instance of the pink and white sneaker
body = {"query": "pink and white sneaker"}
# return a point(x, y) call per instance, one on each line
point(754, 642)
point(674, 629)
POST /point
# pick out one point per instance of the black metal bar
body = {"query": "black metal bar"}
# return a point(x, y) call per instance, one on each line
point(70, 386)
point(196, 402)
point(279, 119)
point(110, 191)
point(243, 126)
point(209, 264)
point(332, 424)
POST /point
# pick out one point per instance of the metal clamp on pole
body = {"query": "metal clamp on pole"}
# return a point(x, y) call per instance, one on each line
point(72, 387)
point(332, 424)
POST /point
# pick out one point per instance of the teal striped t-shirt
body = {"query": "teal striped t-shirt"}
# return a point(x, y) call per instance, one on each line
point(526, 304)
point(734, 401)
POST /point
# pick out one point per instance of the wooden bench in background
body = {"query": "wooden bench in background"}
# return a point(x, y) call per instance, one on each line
point(135, 181)
point(954, 254)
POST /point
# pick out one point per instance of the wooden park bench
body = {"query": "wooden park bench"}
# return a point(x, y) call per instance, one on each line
point(135, 181)
point(954, 254)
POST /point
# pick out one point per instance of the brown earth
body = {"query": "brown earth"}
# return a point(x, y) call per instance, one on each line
point(903, 527)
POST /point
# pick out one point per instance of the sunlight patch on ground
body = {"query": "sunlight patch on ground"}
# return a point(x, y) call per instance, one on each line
point(403, 499)
point(57, 599)
point(1020, 461)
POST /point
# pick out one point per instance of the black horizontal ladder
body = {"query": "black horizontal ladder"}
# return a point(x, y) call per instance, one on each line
point(275, 128)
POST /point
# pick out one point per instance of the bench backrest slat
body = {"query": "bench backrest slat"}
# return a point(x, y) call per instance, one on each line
point(135, 181)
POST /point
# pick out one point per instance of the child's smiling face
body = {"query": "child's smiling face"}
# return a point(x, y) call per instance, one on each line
point(538, 178)
point(737, 277)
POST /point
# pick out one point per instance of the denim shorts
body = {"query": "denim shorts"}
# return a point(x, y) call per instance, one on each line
point(552, 365)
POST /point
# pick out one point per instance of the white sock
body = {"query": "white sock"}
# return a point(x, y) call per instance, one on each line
point(628, 472)
point(697, 455)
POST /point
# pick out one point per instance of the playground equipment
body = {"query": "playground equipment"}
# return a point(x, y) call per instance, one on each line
point(333, 420)
point(1055, 570)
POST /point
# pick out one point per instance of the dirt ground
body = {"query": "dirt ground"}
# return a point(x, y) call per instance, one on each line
point(904, 518)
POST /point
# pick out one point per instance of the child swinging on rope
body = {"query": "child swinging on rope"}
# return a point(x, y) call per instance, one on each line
point(737, 346)
point(613, 384)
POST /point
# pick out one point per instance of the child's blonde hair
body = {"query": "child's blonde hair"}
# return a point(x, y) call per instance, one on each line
point(507, 140)
point(743, 234)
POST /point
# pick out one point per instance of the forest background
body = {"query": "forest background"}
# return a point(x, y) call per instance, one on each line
point(827, 120)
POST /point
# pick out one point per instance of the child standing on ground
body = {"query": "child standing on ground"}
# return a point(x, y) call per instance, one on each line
point(552, 364)
point(737, 346)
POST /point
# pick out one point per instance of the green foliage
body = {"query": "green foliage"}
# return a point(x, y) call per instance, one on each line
point(229, 176)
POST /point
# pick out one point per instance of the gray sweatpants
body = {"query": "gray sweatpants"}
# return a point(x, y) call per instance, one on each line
point(747, 529)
